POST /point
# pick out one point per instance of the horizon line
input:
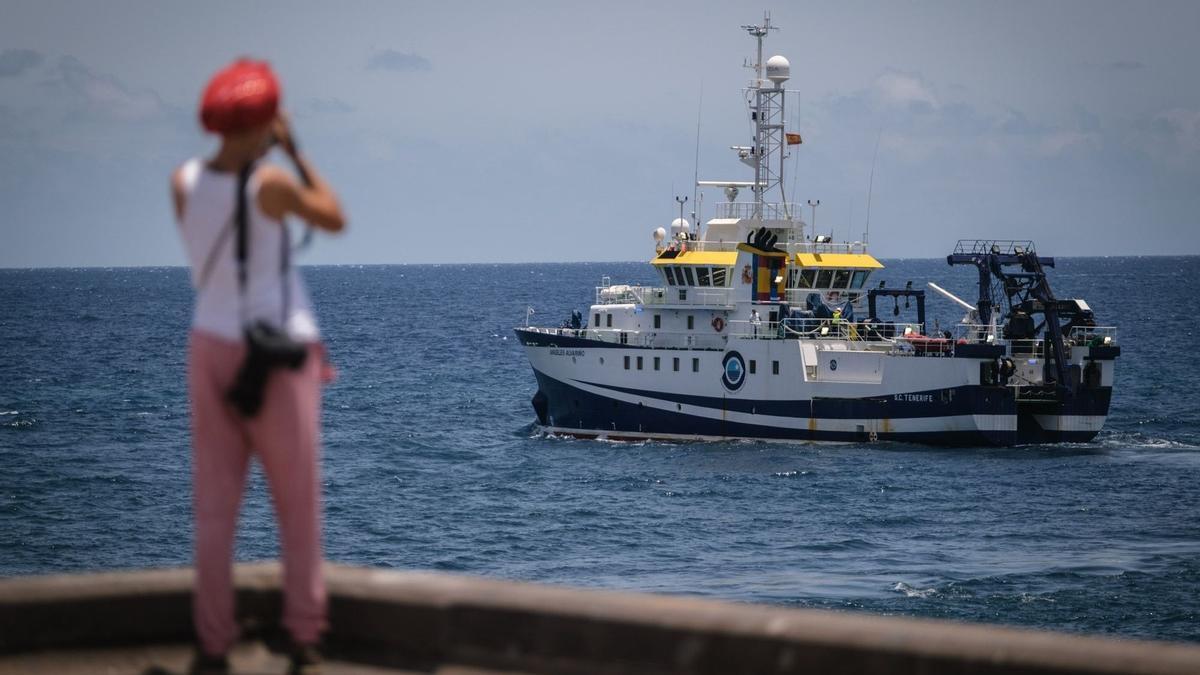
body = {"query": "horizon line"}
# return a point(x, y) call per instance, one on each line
point(538, 262)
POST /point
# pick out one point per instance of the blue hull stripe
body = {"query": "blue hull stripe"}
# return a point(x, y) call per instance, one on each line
point(570, 408)
point(965, 400)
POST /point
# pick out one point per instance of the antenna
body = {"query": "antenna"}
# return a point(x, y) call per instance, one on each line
point(871, 186)
point(814, 206)
point(759, 32)
point(850, 217)
point(682, 201)
point(696, 174)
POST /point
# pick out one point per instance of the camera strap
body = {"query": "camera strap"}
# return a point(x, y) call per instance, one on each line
point(242, 251)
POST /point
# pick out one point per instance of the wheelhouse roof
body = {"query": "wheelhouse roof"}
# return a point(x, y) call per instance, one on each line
point(720, 258)
point(840, 260)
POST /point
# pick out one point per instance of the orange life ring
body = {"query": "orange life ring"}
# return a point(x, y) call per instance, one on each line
point(718, 324)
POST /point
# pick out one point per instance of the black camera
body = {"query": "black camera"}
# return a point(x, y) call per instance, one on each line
point(269, 348)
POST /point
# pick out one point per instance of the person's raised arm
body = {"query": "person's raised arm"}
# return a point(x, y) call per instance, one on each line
point(177, 194)
point(312, 199)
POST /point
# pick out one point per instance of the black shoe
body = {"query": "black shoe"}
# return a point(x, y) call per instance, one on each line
point(205, 664)
point(305, 660)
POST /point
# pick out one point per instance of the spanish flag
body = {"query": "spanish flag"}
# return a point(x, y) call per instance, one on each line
point(794, 139)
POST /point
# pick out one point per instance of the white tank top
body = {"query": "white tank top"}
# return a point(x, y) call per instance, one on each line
point(209, 208)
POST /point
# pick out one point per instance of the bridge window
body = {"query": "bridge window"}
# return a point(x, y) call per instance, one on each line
point(841, 279)
point(719, 276)
point(690, 280)
point(670, 274)
point(823, 278)
point(860, 278)
point(807, 279)
point(702, 276)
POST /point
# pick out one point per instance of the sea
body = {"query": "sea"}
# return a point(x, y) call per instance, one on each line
point(432, 459)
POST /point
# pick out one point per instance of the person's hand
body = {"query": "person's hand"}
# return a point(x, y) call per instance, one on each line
point(281, 131)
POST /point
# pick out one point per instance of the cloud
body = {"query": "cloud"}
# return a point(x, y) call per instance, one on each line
point(1172, 135)
point(330, 105)
point(390, 59)
point(918, 123)
point(14, 62)
point(102, 94)
point(905, 89)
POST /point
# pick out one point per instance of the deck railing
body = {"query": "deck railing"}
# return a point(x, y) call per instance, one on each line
point(889, 337)
point(770, 211)
point(652, 296)
point(1093, 336)
point(1078, 336)
point(1001, 246)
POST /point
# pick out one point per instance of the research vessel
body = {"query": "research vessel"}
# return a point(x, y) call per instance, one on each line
point(760, 329)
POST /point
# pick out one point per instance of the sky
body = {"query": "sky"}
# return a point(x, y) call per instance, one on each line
point(562, 131)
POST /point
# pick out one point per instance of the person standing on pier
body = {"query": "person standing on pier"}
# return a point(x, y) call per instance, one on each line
point(255, 360)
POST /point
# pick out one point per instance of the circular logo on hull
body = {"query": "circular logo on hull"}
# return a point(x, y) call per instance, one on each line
point(733, 371)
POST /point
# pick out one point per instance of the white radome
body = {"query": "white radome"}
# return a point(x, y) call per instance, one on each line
point(680, 225)
point(660, 234)
point(778, 69)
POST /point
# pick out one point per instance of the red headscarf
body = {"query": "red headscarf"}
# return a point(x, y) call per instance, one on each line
point(240, 97)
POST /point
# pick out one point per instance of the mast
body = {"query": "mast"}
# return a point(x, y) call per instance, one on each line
point(767, 113)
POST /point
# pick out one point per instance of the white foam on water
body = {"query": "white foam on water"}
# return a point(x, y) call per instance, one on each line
point(1126, 441)
point(914, 592)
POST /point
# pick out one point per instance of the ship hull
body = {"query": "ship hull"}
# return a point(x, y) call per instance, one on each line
point(589, 388)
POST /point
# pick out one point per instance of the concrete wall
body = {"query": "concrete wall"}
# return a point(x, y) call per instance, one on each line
point(423, 620)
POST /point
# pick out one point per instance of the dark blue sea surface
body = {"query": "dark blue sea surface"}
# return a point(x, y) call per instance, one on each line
point(432, 460)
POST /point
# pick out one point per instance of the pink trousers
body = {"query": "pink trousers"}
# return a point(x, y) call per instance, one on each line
point(285, 435)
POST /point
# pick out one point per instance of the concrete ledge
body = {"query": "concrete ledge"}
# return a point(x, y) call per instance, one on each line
point(425, 620)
